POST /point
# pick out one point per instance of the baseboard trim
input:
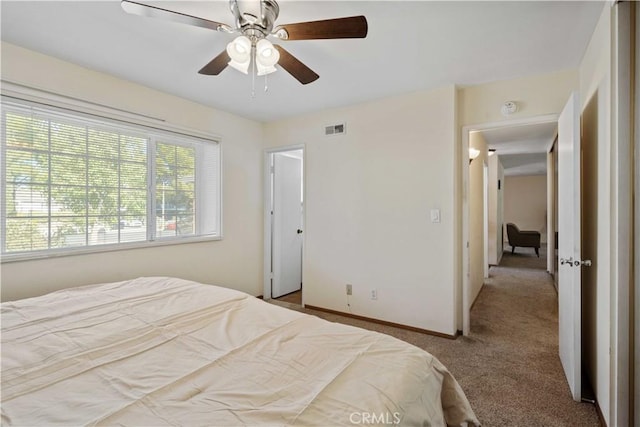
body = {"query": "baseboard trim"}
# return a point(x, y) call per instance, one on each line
point(476, 299)
point(384, 322)
point(603, 423)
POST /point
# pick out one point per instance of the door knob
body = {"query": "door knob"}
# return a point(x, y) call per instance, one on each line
point(299, 231)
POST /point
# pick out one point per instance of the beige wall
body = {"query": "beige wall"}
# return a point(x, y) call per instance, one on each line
point(235, 261)
point(536, 96)
point(496, 209)
point(368, 199)
point(525, 203)
point(476, 216)
point(595, 93)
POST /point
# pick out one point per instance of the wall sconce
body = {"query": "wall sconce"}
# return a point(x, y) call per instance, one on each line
point(473, 153)
point(492, 151)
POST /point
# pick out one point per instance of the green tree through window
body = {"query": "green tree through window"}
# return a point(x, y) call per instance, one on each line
point(72, 184)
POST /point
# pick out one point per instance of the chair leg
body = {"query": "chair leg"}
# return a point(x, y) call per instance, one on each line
point(537, 253)
point(513, 248)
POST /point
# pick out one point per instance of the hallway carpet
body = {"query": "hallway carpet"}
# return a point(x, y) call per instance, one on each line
point(524, 258)
point(508, 366)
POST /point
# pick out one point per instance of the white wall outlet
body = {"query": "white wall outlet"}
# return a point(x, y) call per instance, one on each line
point(435, 215)
point(374, 294)
point(349, 289)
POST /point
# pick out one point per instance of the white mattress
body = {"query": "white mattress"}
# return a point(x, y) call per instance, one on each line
point(164, 351)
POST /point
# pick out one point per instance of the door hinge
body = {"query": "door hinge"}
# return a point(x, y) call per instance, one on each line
point(271, 275)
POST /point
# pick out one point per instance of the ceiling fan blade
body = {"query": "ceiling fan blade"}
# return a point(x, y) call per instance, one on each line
point(136, 8)
point(216, 65)
point(354, 27)
point(297, 69)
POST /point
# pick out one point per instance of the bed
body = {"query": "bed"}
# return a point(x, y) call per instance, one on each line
point(164, 351)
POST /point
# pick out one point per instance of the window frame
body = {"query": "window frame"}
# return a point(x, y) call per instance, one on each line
point(154, 130)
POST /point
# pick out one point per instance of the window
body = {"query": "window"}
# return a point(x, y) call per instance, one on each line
point(71, 181)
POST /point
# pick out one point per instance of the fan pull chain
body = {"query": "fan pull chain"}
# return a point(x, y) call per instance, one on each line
point(253, 72)
point(266, 83)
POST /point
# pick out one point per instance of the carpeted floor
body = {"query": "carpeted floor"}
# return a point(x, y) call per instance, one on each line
point(524, 258)
point(508, 366)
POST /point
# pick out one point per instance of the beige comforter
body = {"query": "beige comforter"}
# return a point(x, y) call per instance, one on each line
point(162, 351)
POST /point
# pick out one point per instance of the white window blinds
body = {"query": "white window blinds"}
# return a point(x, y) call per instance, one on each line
point(73, 181)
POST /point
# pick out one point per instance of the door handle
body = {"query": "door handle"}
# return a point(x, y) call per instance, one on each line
point(577, 263)
point(569, 261)
point(299, 231)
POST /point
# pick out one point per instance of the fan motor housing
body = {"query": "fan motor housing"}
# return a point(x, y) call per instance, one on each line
point(252, 26)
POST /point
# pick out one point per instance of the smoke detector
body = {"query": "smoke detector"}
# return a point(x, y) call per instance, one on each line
point(508, 108)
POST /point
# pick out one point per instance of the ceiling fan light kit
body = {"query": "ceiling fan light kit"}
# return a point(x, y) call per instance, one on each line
point(266, 57)
point(239, 51)
point(254, 20)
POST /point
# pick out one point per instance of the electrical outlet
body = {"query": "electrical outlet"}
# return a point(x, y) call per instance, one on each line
point(349, 289)
point(374, 294)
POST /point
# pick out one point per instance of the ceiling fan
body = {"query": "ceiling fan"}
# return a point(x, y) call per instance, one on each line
point(254, 20)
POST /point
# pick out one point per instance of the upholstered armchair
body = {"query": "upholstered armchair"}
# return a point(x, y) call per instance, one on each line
point(523, 239)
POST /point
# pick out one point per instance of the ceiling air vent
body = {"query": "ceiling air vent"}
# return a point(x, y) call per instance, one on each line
point(338, 129)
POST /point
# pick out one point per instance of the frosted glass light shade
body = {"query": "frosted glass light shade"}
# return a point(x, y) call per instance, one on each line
point(243, 67)
point(262, 70)
point(239, 51)
point(473, 153)
point(266, 54)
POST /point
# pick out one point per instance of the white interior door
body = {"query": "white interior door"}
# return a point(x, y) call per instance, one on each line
point(287, 225)
point(569, 244)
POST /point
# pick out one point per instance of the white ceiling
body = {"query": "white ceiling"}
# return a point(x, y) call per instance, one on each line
point(524, 164)
point(522, 149)
point(412, 45)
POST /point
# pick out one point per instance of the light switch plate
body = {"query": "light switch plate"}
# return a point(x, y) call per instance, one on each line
point(435, 215)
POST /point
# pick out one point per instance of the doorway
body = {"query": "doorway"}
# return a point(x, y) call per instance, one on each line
point(284, 213)
point(526, 143)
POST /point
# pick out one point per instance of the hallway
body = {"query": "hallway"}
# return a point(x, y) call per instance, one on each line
point(516, 319)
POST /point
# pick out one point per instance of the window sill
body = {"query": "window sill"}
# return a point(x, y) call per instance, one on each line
point(57, 253)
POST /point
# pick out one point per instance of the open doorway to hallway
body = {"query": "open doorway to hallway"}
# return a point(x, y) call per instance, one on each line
point(515, 150)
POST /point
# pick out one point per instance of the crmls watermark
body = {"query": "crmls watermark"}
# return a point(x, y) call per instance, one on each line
point(364, 418)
